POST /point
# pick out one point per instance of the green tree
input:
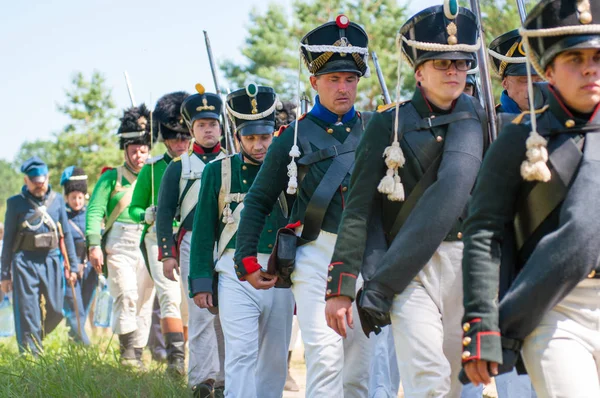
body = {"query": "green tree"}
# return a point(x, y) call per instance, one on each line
point(88, 140)
point(10, 183)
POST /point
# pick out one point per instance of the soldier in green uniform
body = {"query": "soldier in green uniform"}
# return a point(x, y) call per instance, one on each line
point(129, 282)
point(324, 141)
point(256, 323)
point(428, 151)
point(177, 199)
point(532, 216)
point(176, 137)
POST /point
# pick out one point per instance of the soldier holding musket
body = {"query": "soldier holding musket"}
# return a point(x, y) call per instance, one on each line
point(532, 215)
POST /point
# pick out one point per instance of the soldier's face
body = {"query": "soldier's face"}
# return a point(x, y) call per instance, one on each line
point(207, 132)
point(177, 146)
point(576, 76)
point(37, 189)
point(76, 200)
point(441, 87)
point(337, 91)
point(136, 156)
point(256, 145)
point(516, 88)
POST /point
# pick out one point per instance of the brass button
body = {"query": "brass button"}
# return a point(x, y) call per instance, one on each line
point(329, 278)
point(330, 268)
point(439, 138)
point(164, 239)
point(344, 189)
point(269, 230)
point(592, 274)
point(238, 273)
point(245, 182)
point(466, 326)
point(466, 341)
point(330, 130)
point(235, 266)
point(585, 17)
point(204, 157)
point(348, 129)
point(459, 235)
point(164, 246)
point(570, 123)
point(270, 246)
point(328, 292)
point(244, 167)
point(466, 354)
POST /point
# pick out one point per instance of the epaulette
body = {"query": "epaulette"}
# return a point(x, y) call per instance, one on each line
point(386, 107)
point(155, 159)
point(278, 132)
point(105, 169)
point(519, 119)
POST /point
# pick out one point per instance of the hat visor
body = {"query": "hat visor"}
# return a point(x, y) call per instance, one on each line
point(204, 115)
point(571, 42)
point(339, 66)
point(453, 55)
point(257, 127)
point(518, 70)
point(38, 179)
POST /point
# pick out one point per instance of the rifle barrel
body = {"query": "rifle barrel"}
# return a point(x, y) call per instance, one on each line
point(384, 90)
point(129, 89)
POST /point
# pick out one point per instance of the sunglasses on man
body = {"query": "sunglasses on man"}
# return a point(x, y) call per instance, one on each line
point(460, 64)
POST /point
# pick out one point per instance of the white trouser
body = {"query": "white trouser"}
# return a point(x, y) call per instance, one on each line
point(335, 367)
point(129, 282)
point(562, 355)
point(203, 336)
point(426, 320)
point(257, 325)
point(512, 384)
point(169, 292)
point(385, 378)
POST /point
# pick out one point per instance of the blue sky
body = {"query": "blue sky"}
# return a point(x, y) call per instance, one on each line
point(160, 44)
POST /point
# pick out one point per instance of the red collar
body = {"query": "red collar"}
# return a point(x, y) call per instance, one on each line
point(198, 149)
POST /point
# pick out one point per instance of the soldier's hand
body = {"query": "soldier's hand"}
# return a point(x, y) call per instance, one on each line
point(477, 371)
point(203, 300)
point(150, 215)
point(338, 311)
point(73, 278)
point(170, 266)
point(260, 280)
point(6, 286)
point(96, 258)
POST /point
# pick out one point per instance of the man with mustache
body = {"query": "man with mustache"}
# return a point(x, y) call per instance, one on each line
point(314, 159)
point(129, 282)
point(176, 138)
point(32, 268)
point(256, 324)
point(532, 217)
point(415, 168)
point(177, 200)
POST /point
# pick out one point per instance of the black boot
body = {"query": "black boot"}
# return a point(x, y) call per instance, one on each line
point(203, 390)
point(175, 353)
point(138, 356)
point(128, 357)
point(156, 342)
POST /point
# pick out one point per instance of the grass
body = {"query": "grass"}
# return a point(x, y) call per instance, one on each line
point(67, 369)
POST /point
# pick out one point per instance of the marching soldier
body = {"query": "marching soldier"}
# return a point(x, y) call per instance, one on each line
point(176, 138)
point(428, 151)
point(178, 197)
point(323, 141)
point(35, 238)
point(256, 324)
point(531, 215)
point(129, 282)
point(74, 183)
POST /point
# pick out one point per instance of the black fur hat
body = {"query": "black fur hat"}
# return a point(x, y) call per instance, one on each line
point(74, 179)
point(135, 127)
point(167, 116)
point(285, 114)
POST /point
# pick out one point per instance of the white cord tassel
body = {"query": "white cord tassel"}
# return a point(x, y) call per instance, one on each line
point(228, 215)
point(535, 167)
point(295, 151)
point(391, 184)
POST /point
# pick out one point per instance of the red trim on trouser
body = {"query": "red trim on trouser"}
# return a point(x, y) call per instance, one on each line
point(180, 235)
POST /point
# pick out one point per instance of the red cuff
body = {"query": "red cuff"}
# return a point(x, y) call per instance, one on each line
point(251, 264)
point(294, 225)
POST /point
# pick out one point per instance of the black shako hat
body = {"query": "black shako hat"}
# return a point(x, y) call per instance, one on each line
point(440, 32)
point(252, 109)
point(574, 24)
point(508, 45)
point(74, 179)
point(201, 105)
point(167, 118)
point(336, 46)
point(135, 127)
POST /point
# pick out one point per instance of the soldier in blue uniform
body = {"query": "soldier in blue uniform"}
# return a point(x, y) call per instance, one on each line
point(35, 230)
point(533, 217)
point(74, 183)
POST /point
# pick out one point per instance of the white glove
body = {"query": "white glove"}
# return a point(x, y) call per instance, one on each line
point(150, 215)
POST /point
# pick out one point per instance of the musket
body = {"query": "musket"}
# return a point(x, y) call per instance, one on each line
point(484, 73)
point(522, 10)
point(129, 89)
point(384, 90)
point(229, 145)
point(304, 104)
point(68, 271)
